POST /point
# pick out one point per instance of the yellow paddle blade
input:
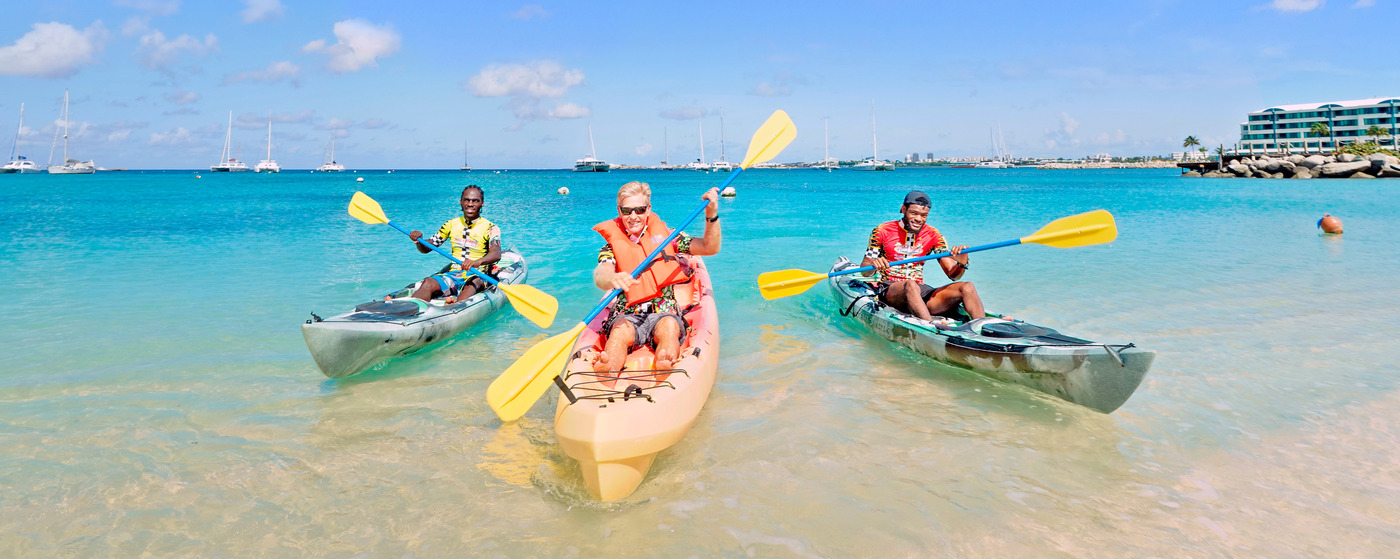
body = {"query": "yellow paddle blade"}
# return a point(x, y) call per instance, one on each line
point(512, 393)
point(782, 283)
point(365, 209)
point(1090, 228)
point(535, 305)
point(770, 139)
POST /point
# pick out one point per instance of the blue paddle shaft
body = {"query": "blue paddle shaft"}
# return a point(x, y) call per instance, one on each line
point(1012, 242)
point(449, 256)
point(607, 299)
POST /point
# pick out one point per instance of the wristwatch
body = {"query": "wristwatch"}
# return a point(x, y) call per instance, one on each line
point(712, 219)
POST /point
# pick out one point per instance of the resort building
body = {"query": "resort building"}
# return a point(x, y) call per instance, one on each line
point(1288, 128)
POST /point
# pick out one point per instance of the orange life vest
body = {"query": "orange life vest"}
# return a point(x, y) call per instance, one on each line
point(663, 271)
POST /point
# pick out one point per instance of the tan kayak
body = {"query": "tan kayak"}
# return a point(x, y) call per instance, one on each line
point(621, 420)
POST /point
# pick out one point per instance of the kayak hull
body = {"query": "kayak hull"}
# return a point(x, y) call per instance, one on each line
point(351, 342)
point(1094, 375)
point(615, 436)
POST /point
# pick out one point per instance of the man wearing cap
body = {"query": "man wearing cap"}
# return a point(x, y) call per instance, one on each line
point(902, 287)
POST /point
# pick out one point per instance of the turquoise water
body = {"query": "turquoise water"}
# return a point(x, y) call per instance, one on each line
point(156, 396)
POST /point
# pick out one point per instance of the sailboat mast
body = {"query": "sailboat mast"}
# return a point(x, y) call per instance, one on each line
point(269, 135)
point(826, 128)
point(665, 142)
point(874, 140)
point(592, 151)
point(65, 127)
point(721, 134)
point(14, 149)
point(702, 140)
point(228, 137)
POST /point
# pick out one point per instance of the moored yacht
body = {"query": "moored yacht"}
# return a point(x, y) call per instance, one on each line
point(721, 164)
point(591, 164)
point(227, 164)
point(699, 164)
point(465, 166)
point(268, 165)
point(827, 163)
point(19, 163)
point(330, 166)
point(69, 166)
point(874, 163)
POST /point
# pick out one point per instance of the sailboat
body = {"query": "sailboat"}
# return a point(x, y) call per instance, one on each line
point(591, 164)
point(699, 164)
point(19, 163)
point(666, 143)
point(874, 163)
point(268, 165)
point(827, 162)
point(69, 166)
point(721, 165)
point(330, 166)
point(1000, 158)
point(465, 166)
point(228, 163)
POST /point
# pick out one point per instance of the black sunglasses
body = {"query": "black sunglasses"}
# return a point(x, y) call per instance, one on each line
point(639, 210)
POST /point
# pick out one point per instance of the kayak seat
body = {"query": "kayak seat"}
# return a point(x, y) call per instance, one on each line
point(395, 307)
point(1029, 332)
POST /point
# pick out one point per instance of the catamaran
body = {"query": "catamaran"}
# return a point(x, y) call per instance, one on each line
point(591, 164)
point(874, 163)
point(69, 166)
point(699, 164)
point(1000, 158)
point(721, 165)
point(268, 165)
point(19, 163)
point(827, 162)
point(330, 166)
point(227, 163)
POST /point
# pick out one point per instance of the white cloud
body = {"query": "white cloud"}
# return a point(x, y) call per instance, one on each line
point(178, 137)
point(157, 53)
point(375, 124)
point(1068, 124)
point(259, 10)
point(182, 97)
point(684, 113)
point(153, 7)
point(530, 109)
point(1111, 139)
point(766, 89)
point(644, 149)
point(255, 121)
point(1364, 3)
point(135, 25)
point(53, 50)
point(539, 80)
point(359, 43)
point(1296, 5)
point(275, 72)
point(529, 11)
point(336, 123)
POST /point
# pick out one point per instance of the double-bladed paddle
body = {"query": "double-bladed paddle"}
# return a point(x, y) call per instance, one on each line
point(1084, 229)
point(521, 385)
point(535, 305)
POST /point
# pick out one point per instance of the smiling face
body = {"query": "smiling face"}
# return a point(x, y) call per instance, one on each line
point(472, 200)
point(915, 216)
point(632, 221)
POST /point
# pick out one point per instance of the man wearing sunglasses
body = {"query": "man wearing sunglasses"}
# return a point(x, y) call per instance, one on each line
point(475, 241)
point(646, 312)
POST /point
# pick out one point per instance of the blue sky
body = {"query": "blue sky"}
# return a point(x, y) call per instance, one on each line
point(411, 84)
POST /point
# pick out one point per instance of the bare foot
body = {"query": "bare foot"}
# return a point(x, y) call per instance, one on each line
point(450, 300)
point(595, 359)
point(662, 364)
point(388, 298)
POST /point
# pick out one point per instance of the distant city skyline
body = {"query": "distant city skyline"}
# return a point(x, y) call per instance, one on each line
point(406, 86)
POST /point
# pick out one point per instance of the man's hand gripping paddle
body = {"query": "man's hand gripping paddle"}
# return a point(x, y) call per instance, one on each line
point(521, 385)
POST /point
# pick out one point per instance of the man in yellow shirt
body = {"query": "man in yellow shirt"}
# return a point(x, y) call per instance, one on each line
point(475, 241)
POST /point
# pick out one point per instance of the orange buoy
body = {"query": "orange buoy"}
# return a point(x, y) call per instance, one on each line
point(1330, 224)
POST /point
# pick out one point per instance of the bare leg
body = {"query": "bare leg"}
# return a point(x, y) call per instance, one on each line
point(620, 339)
point(906, 296)
point(428, 289)
point(667, 336)
point(467, 291)
point(947, 297)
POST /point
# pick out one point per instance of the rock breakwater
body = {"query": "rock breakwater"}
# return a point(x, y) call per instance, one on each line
point(1338, 166)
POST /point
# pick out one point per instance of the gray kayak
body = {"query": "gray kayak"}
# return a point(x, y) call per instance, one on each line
point(348, 343)
point(1095, 375)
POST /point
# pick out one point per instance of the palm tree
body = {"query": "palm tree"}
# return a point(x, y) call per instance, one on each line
point(1190, 141)
point(1376, 132)
point(1318, 130)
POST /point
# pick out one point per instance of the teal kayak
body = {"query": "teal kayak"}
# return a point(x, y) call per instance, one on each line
point(348, 343)
point(1099, 376)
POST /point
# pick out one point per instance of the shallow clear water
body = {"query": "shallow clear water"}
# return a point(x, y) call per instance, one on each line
point(156, 396)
